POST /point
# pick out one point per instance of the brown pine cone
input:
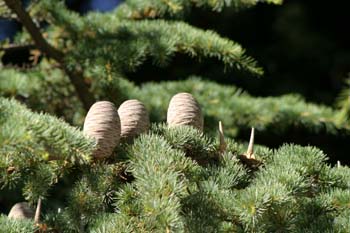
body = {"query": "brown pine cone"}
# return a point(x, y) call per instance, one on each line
point(134, 119)
point(184, 110)
point(21, 210)
point(103, 124)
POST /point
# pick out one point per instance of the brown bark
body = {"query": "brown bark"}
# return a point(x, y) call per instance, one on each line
point(76, 77)
point(16, 47)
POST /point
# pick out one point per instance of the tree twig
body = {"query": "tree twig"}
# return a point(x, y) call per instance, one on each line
point(76, 77)
point(16, 47)
point(26, 20)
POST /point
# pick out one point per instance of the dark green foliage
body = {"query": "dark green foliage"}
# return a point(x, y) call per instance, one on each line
point(194, 143)
point(343, 103)
point(125, 44)
point(178, 8)
point(179, 182)
point(15, 226)
point(44, 88)
point(88, 193)
point(292, 191)
point(239, 110)
point(43, 135)
point(28, 140)
point(159, 185)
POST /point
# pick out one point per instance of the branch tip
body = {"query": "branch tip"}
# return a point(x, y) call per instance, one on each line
point(223, 145)
point(37, 212)
point(250, 151)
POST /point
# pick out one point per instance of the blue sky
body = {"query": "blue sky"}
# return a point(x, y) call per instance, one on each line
point(8, 28)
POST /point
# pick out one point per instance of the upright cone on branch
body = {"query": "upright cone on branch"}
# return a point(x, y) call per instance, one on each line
point(134, 119)
point(103, 124)
point(184, 110)
point(21, 210)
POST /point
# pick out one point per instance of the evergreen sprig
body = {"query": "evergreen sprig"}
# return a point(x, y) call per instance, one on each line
point(160, 182)
point(91, 191)
point(194, 143)
point(11, 226)
point(343, 104)
point(28, 140)
point(139, 9)
point(125, 44)
point(43, 88)
point(44, 135)
point(170, 179)
point(237, 109)
point(240, 110)
point(293, 189)
point(5, 12)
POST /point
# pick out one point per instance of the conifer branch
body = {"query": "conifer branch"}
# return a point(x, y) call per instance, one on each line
point(240, 110)
point(8, 225)
point(127, 44)
point(51, 137)
point(76, 77)
point(158, 39)
point(343, 104)
point(150, 9)
point(174, 180)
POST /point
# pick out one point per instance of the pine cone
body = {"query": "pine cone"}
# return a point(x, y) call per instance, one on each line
point(103, 124)
point(21, 210)
point(134, 119)
point(184, 110)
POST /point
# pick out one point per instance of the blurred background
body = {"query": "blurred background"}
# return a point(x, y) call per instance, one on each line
point(302, 45)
